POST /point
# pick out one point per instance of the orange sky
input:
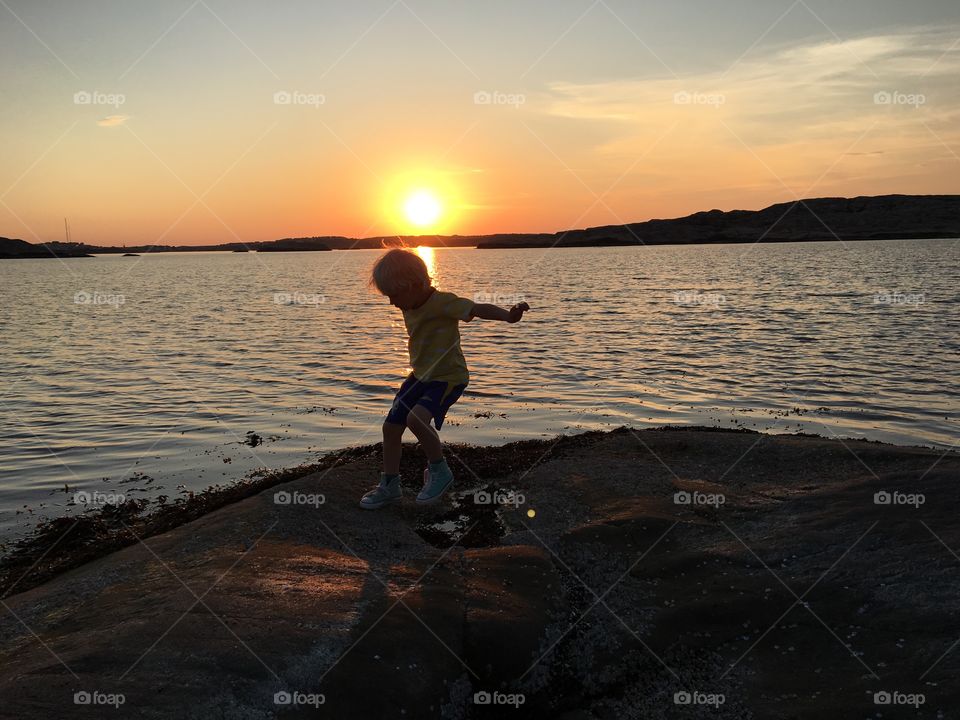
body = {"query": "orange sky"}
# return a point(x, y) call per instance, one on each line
point(226, 126)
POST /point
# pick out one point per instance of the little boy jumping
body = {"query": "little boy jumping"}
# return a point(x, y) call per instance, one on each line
point(439, 374)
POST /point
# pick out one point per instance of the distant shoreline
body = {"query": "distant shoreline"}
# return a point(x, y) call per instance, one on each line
point(138, 252)
point(884, 217)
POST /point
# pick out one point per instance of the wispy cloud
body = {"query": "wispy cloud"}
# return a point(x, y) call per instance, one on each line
point(113, 120)
point(783, 115)
point(805, 82)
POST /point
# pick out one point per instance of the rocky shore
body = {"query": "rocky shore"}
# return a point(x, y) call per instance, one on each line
point(666, 573)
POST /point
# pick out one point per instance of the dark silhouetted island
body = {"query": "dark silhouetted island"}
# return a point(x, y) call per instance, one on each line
point(13, 248)
point(10, 248)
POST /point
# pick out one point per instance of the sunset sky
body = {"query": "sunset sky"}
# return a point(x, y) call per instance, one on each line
point(211, 121)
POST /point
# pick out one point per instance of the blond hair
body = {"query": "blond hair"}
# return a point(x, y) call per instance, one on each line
point(398, 269)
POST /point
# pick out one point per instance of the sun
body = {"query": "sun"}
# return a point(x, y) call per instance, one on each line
point(421, 201)
point(422, 208)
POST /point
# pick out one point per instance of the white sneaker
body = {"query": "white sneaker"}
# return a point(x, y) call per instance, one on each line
point(383, 494)
point(435, 484)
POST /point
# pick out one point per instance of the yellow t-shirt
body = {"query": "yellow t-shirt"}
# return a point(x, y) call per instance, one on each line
point(434, 338)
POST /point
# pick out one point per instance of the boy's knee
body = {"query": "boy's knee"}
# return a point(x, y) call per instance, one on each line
point(418, 418)
point(392, 429)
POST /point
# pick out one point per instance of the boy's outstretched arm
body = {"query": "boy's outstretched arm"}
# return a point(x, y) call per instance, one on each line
point(492, 312)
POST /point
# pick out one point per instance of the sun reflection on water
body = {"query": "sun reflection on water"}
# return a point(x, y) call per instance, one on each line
point(429, 258)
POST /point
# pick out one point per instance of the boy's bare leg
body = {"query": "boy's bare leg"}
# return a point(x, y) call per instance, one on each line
point(392, 436)
point(419, 421)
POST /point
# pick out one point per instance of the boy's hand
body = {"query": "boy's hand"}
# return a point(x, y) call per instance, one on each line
point(517, 311)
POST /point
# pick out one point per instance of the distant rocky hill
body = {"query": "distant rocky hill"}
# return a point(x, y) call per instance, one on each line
point(861, 218)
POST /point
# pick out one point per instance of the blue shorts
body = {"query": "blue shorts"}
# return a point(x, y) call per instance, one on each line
point(435, 395)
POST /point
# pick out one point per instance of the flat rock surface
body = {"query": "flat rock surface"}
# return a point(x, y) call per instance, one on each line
point(751, 575)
